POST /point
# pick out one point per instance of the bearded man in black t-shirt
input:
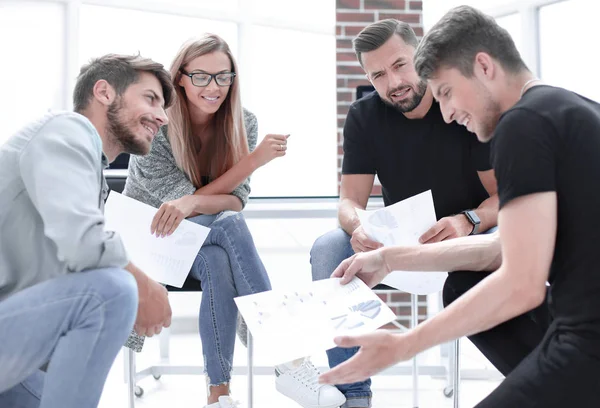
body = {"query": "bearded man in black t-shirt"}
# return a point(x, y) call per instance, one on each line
point(537, 315)
point(399, 135)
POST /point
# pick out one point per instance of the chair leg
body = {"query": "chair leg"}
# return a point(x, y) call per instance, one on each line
point(449, 388)
point(164, 339)
point(130, 368)
point(125, 365)
point(456, 376)
point(250, 370)
point(415, 367)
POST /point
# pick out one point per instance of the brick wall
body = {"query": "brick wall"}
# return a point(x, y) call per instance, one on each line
point(351, 17)
point(399, 302)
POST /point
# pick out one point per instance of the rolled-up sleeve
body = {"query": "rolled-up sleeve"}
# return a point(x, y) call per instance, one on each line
point(61, 170)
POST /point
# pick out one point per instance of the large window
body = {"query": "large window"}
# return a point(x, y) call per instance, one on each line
point(292, 91)
point(555, 37)
point(508, 17)
point(512, 24)
point(286, 54)
point(433, 10)
point(220, 5)
point(32, 65)
point(568, 32)
point(154, 35)
point(311, 13)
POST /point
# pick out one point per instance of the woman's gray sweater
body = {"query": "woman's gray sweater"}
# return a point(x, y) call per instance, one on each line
point(155, 178)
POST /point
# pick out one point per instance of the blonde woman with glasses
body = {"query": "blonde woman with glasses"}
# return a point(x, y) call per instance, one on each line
point(199, 168)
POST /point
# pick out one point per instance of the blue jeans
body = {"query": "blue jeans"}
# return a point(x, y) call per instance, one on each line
point(227, 266)
point(77, 323)
point(326, 254)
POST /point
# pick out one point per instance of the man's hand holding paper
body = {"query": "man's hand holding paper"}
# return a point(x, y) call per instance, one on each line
point(369, 267)
point(361, 242)
point(402, 224)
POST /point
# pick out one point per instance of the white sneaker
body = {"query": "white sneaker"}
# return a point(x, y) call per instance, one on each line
point(302, 385)
point(225, 401)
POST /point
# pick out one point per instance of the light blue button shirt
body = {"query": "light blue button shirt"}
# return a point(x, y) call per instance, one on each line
point(51, 203)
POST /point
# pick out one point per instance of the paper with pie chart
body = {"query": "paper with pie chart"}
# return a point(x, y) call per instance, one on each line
point(293, 323)
point(167, 260)
point(402, 224)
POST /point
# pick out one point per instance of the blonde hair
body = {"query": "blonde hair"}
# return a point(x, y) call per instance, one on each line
point(229, 144)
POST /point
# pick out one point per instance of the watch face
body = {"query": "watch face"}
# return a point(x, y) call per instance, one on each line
point(473, 218)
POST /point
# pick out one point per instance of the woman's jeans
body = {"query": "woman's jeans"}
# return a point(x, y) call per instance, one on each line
point(227, 266)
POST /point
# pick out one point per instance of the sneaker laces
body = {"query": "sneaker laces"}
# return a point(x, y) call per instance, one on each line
point(308, 375)
point(231, 403)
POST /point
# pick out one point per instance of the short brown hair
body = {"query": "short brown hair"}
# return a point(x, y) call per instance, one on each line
point(375, 35)
point(119, 71)
point(455, 40)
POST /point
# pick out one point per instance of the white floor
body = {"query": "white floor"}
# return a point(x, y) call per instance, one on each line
point(284, 246)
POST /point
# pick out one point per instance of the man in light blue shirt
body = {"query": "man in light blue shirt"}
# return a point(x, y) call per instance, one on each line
point(69, 296)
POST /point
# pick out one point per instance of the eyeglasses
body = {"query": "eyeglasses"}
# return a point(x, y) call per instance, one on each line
point(203, 78)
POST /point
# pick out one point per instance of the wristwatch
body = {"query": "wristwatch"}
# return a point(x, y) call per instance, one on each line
point(473, 219)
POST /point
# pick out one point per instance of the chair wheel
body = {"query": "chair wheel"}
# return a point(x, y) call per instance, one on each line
point(448, 391)
point(139, 391)
point(156, 377)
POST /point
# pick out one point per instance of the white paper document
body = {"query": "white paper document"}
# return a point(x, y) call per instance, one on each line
point(402, 224)
point(289, 324)
point(166, 260)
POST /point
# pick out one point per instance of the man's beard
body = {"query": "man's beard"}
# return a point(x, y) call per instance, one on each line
point(410, 104)
point(120, 131)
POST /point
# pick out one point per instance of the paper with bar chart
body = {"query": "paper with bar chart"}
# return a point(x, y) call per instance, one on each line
point(289, 324)
point(166, 260)
point(402, 224)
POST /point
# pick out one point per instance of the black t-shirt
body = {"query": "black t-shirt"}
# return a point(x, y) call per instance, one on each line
point(550, 141)
point(410, 156)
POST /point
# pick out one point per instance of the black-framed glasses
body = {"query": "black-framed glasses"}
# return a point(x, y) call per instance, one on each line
point(204, 78)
